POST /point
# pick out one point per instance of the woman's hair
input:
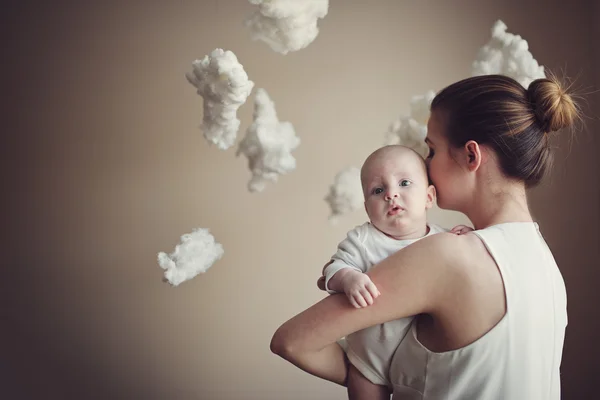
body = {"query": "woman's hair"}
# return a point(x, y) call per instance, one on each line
point(497, 111)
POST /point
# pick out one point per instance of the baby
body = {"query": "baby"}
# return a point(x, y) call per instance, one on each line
point(397, 196)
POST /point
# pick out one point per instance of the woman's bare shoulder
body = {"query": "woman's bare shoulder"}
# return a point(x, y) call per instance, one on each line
point(462, 261)
point(429, 271)
point(459, 252)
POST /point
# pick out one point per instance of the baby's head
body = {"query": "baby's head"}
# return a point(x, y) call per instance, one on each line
point(397, 191)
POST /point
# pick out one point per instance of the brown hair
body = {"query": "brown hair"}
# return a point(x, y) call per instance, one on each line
point(497, 111)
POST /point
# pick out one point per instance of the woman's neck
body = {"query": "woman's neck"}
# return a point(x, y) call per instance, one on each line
point(505, 203)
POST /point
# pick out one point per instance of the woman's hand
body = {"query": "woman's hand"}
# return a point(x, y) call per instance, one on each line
point(461, 229)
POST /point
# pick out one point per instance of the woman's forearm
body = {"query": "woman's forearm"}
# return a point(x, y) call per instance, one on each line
point(300, 342)
point(328, 363)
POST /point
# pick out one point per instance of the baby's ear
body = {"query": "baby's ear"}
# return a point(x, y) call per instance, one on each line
point(431, 197)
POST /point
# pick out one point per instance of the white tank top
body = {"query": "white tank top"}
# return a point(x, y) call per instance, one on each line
point(519, 358)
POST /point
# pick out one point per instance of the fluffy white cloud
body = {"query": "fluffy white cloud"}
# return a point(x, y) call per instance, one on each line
point(345, 195)
point(286, 25)
point(196, 253)
point(507, 54)
point(224, 86)
point(411, 130)
point(268, 144)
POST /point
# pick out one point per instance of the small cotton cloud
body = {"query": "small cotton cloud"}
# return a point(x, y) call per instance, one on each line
point(268, 144)
point(286, 25)
point(196, 253)
point(224, 85)
point(345, 194)
point(507, 54)
point(411, 130)
point(420, 107)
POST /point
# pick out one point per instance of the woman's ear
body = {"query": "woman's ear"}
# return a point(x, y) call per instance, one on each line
point(473, 155)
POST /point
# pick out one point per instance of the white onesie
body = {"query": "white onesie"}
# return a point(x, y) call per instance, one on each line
point(370, 350)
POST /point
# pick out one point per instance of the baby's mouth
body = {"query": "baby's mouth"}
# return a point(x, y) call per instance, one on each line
point(395, 210)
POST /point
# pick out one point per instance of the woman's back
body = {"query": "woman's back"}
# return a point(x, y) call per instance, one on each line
point(518, 358)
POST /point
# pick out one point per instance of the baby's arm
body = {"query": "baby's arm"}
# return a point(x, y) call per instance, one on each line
point(321, 280)
point(345, 272)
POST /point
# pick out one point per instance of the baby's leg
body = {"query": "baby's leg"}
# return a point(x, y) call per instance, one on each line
point(360, 388)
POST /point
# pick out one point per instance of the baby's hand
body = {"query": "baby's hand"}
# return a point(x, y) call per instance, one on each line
point(461, 229)
point(359, 288)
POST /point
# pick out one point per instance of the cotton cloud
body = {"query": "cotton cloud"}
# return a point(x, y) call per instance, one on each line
point(286, 25)
point(224, 85)
point(507, 54)
point(196, 253)
point(411, 130)
point(345, 195)
point(268, 144)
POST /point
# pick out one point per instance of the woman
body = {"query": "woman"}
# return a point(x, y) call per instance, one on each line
point(491, 304)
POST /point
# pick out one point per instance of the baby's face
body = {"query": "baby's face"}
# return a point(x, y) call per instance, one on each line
point(397, 193)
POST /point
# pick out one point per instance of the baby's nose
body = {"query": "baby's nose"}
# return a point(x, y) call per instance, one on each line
point(391, 195)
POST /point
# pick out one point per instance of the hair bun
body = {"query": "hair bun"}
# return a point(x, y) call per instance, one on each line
point(553, 107)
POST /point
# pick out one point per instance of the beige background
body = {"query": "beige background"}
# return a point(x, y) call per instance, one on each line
point(105, 166)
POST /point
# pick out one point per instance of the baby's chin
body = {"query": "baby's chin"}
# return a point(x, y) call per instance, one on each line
point(399, 229)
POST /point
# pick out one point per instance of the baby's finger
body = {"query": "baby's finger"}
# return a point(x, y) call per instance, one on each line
point(360, 300)
point(372, 290)
point(352, 301)
point(366, 296)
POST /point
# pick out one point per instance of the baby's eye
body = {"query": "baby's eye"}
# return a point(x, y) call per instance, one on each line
point(405, 182)
point(377, 191)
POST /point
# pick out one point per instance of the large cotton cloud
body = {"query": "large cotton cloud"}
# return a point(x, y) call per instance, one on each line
point(268, 144)
point(286, 25)
point(507, 54)
point(224, 85)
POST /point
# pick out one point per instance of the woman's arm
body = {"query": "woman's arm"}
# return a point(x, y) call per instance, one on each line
point(415, 280)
